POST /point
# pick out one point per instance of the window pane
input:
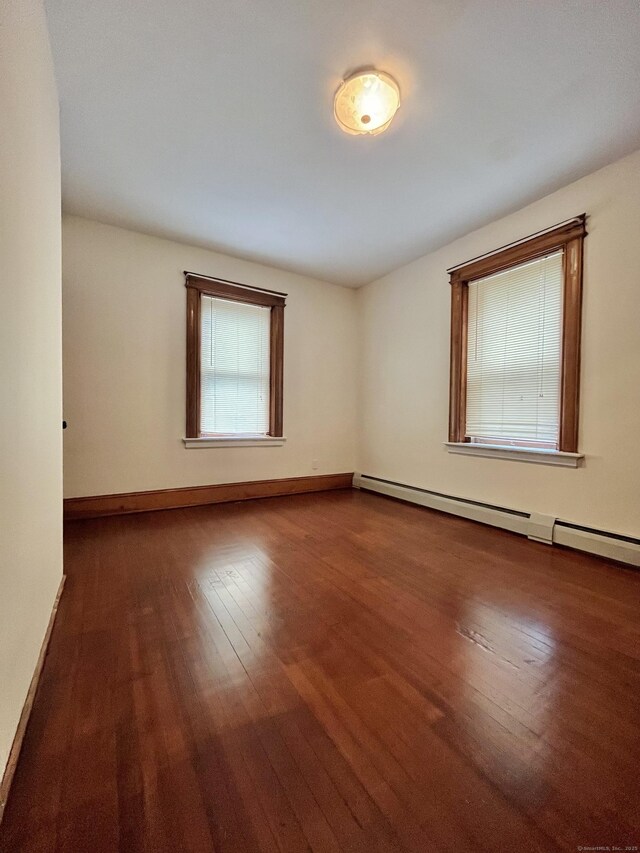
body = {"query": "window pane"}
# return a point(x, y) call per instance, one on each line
point(514, 352)
point(234, 367)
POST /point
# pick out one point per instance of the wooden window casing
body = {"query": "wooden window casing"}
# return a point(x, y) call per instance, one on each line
point(198, 286)
point(569, 238)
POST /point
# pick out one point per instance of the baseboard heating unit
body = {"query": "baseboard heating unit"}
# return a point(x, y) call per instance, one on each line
point(541, 528)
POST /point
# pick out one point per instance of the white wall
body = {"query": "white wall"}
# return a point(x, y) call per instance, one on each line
point(404, 366)
point(30, 353)
point(124, 358)
point(124, 304)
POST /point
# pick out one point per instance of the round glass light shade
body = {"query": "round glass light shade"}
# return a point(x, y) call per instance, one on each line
point(366, 102)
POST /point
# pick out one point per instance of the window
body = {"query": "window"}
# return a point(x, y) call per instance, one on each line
point(513, 355)
point(234, 367)
point(234, 360)
point(515, 344)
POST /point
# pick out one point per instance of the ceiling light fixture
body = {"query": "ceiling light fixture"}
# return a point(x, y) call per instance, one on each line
point(366, 102)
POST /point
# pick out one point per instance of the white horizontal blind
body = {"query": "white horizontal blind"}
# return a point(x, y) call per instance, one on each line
point(513, 354)
point(234, 368)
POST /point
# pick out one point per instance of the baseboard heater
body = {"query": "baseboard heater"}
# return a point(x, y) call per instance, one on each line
point(541, 528)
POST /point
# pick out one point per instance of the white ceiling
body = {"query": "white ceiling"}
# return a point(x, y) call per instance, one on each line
point(210, 121)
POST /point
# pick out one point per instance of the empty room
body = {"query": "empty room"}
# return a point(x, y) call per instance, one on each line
point(319, 462)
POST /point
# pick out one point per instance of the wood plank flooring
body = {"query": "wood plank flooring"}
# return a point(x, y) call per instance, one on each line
point(331, 672)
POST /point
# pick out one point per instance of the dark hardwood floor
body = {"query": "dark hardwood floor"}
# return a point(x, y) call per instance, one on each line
point(331, 672)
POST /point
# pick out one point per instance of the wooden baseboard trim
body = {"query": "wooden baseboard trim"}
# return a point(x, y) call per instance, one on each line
point(16, 746)
point(124, 504)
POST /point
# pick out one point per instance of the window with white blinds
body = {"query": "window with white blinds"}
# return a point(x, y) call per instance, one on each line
point(234, 368)
point(514, 343)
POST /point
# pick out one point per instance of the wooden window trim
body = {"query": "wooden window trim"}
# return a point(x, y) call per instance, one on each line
point(569, 237)
point(197, 286)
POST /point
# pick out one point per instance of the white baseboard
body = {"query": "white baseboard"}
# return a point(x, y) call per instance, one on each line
point(12, 762)
point(598, 542)
point(541, 528)
point(516, 522)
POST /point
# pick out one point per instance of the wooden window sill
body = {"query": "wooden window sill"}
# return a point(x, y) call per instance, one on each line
point(234, 441)
point(540, 455)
